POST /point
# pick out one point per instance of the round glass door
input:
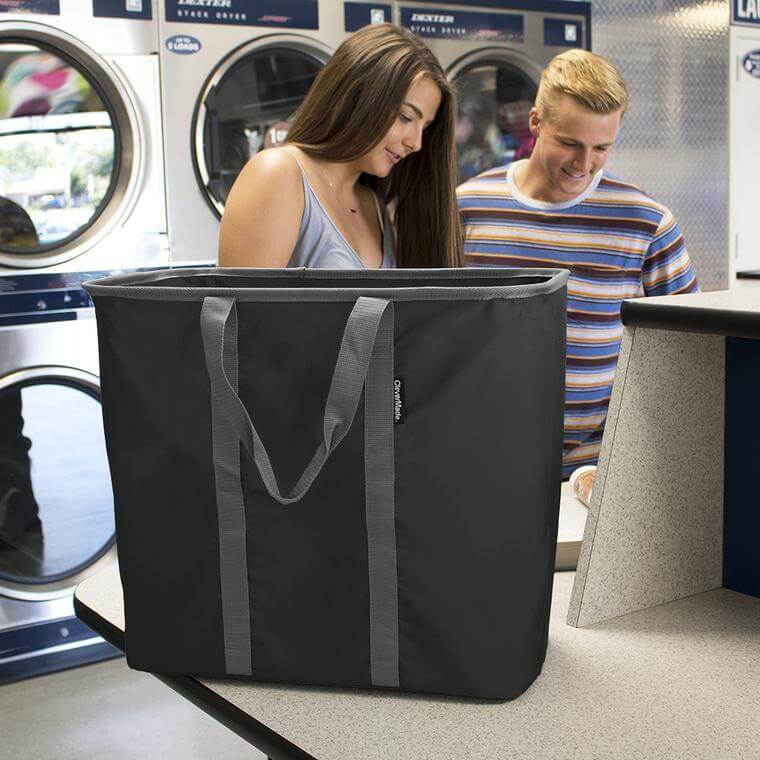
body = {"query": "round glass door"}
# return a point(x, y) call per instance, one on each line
point(58, 161)
point(495, 98)
point(247, 106)
point(56, 505)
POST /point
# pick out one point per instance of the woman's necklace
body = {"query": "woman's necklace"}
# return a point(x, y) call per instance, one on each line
point(335, 192)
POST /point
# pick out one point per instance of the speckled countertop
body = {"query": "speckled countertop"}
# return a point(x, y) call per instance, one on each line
point(680, 680)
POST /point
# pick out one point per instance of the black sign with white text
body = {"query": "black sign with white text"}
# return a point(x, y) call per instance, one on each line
point(463, 25)
point(50, 7)
point(745, 12)
point(290, 14)
point(139, 9)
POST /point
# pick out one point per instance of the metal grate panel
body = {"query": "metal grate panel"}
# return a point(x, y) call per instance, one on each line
point(674, 139)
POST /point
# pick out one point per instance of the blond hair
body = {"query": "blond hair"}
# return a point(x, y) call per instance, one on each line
point(350, 107)
point(590, 79)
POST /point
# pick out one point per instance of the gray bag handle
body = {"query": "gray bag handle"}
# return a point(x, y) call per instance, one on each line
point(359, 344)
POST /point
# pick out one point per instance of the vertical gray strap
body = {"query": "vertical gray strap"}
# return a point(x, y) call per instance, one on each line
point(233, 561)
point(365, 359)
point(379, 479)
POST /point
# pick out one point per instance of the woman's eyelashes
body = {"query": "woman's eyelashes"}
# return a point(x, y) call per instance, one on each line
point(408, 120)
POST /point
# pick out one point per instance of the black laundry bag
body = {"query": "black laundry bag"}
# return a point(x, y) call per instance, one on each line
point(336, 477)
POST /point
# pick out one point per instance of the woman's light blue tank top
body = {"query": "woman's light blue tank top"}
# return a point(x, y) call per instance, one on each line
point(321, 244)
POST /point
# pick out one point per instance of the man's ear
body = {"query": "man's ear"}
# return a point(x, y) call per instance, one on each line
point(534, 121)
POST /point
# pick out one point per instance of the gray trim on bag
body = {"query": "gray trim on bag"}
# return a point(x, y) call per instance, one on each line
point(230, 504)
point(356, 350)
point(144, 286)
point(380, 508)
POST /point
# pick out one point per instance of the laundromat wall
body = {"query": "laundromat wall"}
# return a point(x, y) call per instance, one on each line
point(673, 143)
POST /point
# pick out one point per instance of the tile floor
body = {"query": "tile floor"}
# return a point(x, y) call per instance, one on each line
point(105, 710)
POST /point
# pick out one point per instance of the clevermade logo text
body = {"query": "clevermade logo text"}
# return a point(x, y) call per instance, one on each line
point(398, 400)
point(183, 44)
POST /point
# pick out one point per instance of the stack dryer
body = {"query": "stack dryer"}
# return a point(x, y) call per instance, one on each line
point(495, 51)
point(232, 77)
point(81, 193)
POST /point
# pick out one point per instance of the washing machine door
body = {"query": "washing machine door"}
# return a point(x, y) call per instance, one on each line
point(69, 146)
point(246, 105)
point(497, 88)
point(56, 507)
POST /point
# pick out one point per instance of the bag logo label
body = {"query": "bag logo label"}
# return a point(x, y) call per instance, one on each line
point(399, 407)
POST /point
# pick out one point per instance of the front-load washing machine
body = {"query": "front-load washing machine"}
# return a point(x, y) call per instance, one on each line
point(495, 51)
point(81, 192)
point(233, 73)
point(56, 507)
point(81, 170)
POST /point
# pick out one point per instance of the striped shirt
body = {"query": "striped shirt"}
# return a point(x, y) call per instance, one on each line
point(617, 243)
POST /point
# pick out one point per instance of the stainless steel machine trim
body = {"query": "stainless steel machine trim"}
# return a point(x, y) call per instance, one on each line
point(64, 587)
point(496, 53)
point(306, 45)
point(131, 164)
point(52, 650)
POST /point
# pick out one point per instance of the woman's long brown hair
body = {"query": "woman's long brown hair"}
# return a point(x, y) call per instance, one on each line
point(350, 107)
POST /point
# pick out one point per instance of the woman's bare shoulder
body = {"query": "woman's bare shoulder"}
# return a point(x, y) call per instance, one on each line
point(262, 214)
point(274, 168)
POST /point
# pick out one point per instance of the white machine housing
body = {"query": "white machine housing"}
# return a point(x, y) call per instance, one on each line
point(199, 48)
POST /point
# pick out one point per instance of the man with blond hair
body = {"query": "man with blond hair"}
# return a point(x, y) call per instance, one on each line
point(561, 208)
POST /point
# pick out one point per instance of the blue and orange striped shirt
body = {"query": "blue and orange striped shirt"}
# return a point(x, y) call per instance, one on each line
point(617, 243)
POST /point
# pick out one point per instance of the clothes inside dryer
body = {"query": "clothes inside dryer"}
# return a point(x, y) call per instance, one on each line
point(248, 110)
point(57, 149)
point(56, 507)
point(495, 98)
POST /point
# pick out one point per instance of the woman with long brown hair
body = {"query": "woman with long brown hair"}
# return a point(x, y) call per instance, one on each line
point(375, 130)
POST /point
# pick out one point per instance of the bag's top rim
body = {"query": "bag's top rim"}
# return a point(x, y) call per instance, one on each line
point(148, 285)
